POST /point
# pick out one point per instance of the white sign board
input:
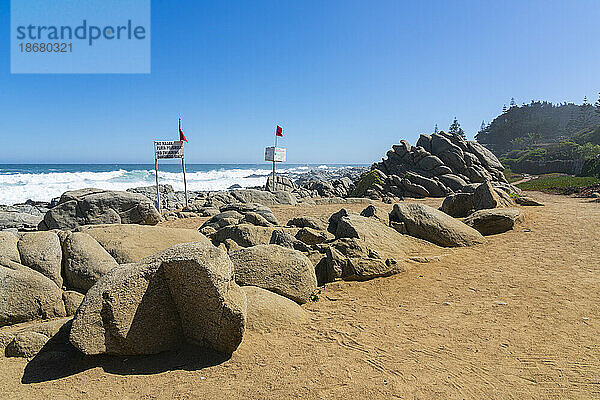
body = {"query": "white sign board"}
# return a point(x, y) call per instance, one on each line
point(168, 149)
point(276, 154)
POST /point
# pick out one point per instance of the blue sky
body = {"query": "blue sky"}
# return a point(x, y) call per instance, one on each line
point(346, 79)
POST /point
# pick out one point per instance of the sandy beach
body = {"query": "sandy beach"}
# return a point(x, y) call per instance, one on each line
point(516, 317)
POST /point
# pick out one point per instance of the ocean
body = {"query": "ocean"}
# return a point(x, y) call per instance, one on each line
point(43, 182)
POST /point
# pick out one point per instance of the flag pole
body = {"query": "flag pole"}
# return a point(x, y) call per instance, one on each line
point(156, 174)
point(274, 152)
point(183, 167)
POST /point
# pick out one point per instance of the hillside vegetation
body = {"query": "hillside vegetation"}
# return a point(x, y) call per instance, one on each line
point(537, 124)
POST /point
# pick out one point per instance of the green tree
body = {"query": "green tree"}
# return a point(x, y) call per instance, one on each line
point(435, 129)
point(456, 130)
point(513, 103)
point(504, 109)
point(597, 104)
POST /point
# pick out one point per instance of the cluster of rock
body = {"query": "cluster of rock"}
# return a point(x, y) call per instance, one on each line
point(140, 289)
point(23, 217)
point(439, 165)
point(45, 274)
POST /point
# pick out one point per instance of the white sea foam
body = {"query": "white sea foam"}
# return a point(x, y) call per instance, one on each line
point(19, 187)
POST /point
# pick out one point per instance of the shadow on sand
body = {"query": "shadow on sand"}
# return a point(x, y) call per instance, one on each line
point(57, 362)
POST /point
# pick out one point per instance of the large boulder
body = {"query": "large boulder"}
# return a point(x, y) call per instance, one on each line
point(278, 269)
point(353, 260)
point(458, 205)
point(485, 196)
point(282, 183)
point(247, 235)
point(268, 310)
point(222, 219)
point(365, 248)
point(494, 221)
point(312, 236)
point(284, 239)
point(307, 222)
point(26, 344)
point(527, 201)
point(453, 181)
point(42, 252)
point(85, 261)
point(8, 247)
point(95, 206)
point(435, 226)
point(19, 220)
point(131, 243)
point(220, 199)
point(185, 293)
point(245, 208)
point(27, 295)
point(26, 340)
point(485, 156)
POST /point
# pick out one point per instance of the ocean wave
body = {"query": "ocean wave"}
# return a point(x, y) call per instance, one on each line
point(19, 187)
point(43, 183)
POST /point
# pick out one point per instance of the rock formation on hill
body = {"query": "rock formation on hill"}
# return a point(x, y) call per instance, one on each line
point(439, 165)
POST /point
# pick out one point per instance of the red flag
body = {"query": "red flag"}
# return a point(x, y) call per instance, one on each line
point(279, 131)
point(182, 136)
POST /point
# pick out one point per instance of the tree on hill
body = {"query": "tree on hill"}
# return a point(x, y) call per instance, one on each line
point(513, 103)
point(597, 104)
point(455, 129)
point(553, 123)
point(435, 129)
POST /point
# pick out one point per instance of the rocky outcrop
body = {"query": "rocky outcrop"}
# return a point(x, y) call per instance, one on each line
point(268, 310)
point(281, 270)
point(246, 235)
point(437, 166)
point(220, 199)
point(486, 196)
point(233, 214)
point(365, 248)
point(41, 251)
point(284, 239)
point(458, 205)
point(19, 220)
point(307, 222)
point(95, 206)
point(27, 295)
point(185, 293)
point(85, 261)
point(281, 183)
point(131, 243)
point(312, 236)
point(479, 197)
point(494, 221)
point(434, 226)
point(341, 187)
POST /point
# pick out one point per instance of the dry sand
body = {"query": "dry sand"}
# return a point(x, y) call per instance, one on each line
point(517, 317)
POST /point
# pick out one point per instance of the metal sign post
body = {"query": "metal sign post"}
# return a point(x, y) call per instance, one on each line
point(275, 154)
point(165, 150)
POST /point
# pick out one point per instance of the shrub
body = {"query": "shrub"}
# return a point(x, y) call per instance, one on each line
point(365, 183)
